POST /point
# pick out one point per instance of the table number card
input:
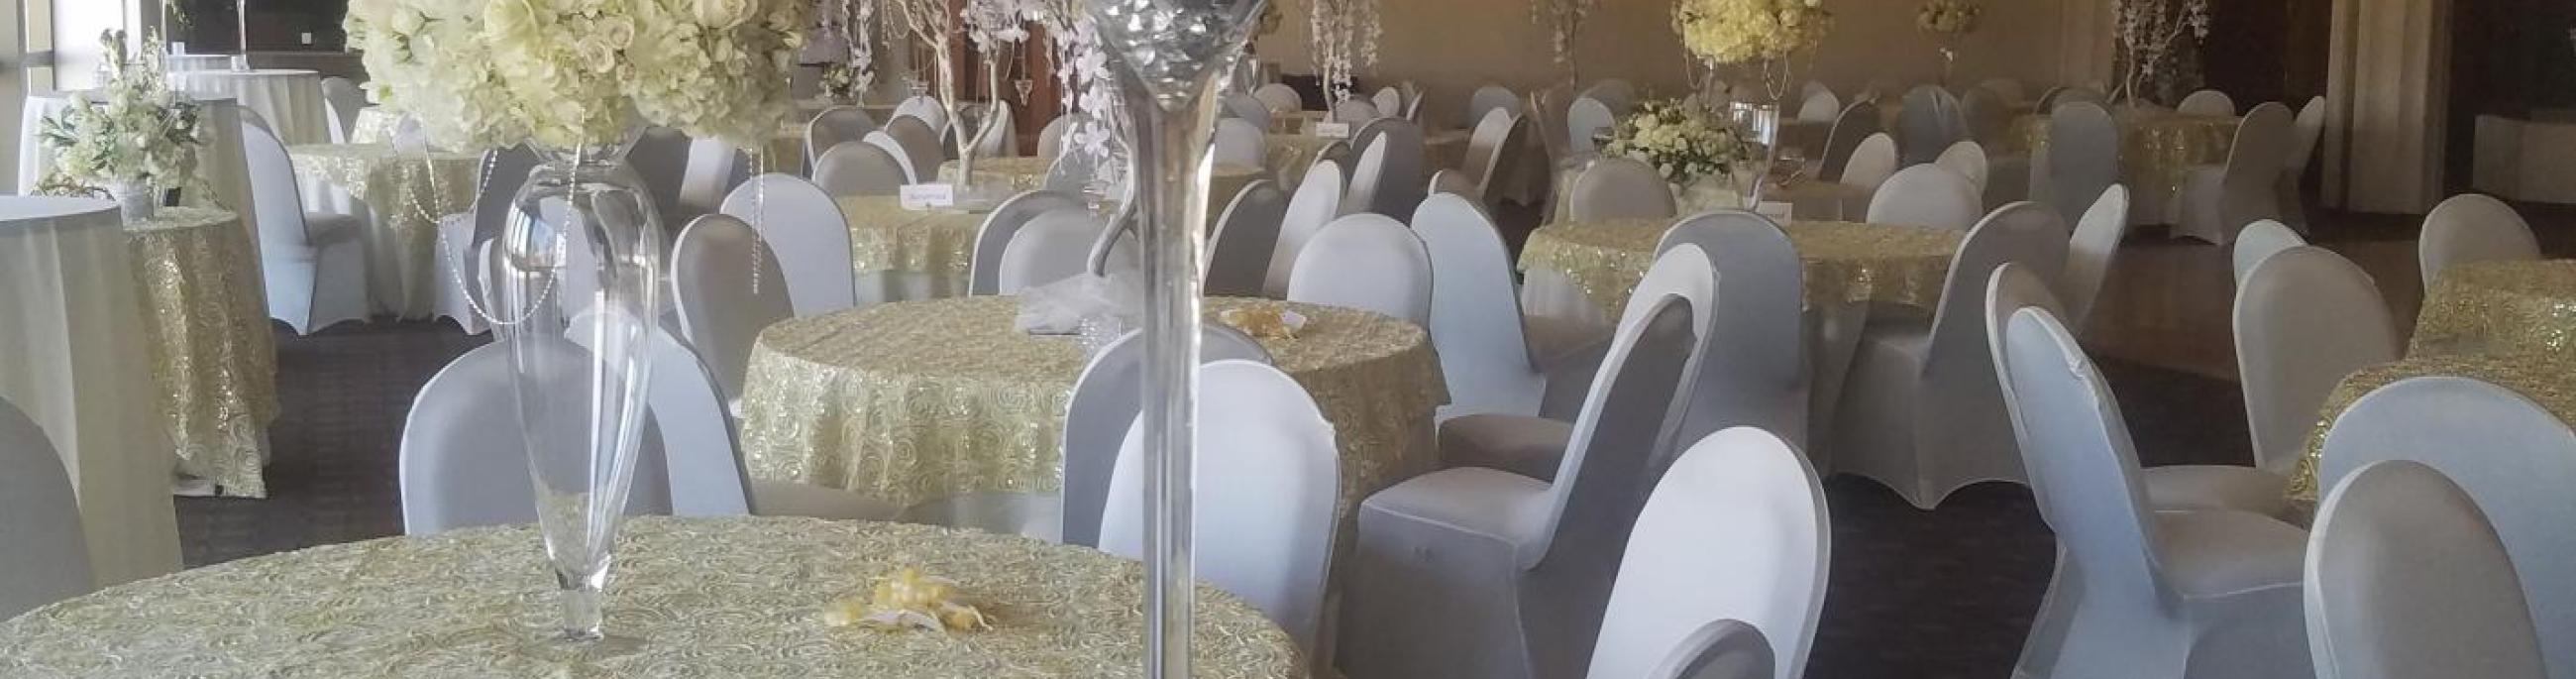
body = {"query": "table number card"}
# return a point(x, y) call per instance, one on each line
point(928, 196)
point(1778, 211)
point(1333, 130)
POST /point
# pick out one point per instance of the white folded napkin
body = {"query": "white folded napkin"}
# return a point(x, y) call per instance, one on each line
point(1061, 307)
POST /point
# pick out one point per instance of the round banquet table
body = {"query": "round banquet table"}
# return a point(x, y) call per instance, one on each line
point(729, 597)
point(920, 401)
point(289, 99)
point(2158, 149)
point(401, 198)
point(1297, 122)
point(214, 359)
point(1809, 200)
point(2500, 307)
point(1287, 155)
point(223, 175)
point(72, 357)
point(2546, 378)
point(1030, 173)
point(900, 254)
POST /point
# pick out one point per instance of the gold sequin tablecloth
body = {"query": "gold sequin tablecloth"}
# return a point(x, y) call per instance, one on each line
point(886, 237)
point(1030, 174)
point(214, 362)
point(1808, 199)
point(375, 126)
point(734, 597)
point(1288, 155)
point(2157, 151)
point(403, 196)
point(1846, 263)
point(917, 401)
point(2548, 379)
point(2500, 307)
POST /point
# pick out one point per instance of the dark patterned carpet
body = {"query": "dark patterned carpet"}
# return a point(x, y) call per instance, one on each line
point(1946, 593)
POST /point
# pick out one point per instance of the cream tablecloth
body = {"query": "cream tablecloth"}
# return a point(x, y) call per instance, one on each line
point(402, 198)
point(901, 254)
point(1288, 155)
point(223, 175)
point(1030, 174)
point(73, 357)
point(923, 400)
point(1808, 200)
point(290, 100)
point(214, 360)
point(734, 597)
point(2500, 307)
point(1846, 263)
point(2157, 151)
point(2547, 378)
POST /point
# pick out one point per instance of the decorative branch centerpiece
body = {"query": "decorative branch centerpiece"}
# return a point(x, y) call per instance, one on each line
point(1760, 37)
point(2148, 32)
point(1948, 22)
point(1344, 35)
point(1563, 20)
point(850, 25)
point(131, 139)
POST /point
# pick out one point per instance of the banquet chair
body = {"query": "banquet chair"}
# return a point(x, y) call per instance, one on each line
point(1054, 246)
point(704, 461)
point(2514, 457)
point(1240, 142)
point(460, 235)
point(2307, 130)
point(1475, 572)
point(1620, 95)
point(1279, 98)
point(2465, 228)
point(2407, 578)
point(1619, 188)
point(726, 287)
point(1369, 262)
point(1118, 248)
point(2011, 90)
point(2206, 103)
point(1931, 121)
point(1754, 374)
point(1718, 649)
point(1921, 411)
point(314, 264)
point(1388, 178)
point(996, 136)
point(903, 157)
point(1969, 160)
point(1737, 529)
point(2304, 318)
point(2217, 201)
point(2091, 252)
point(1856, 123)
point(858, 168)
point(1871, 162)
point(2260, 240)
point(1245, 107)
point(1495, 358)
point(342, 98)
point(463, 460)
point(1987, 114)
point(1586, 118)
point(1338, 153)
point(833, 127)
point(1354, 112)
point(1819, 105)
point(994, 236)
point(2083, 159)
point(1317, 200)
point(47, 559)
point(1270, 539)
point(1452, 182)
point(1485, 144)
point(1238, 261)
point(660, 157)
point(1051, 137)
point(1510, 155)
point(2138, 592)
point(1492, 98)
point(2074, 95)
point(920, 145)
point(1389, 102)
point(1930, 196)
point(808, 233)
point(715, 168)
point(923, 108)
point(1106, 399)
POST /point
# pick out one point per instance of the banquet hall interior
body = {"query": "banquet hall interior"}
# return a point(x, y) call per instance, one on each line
point(1290, 338)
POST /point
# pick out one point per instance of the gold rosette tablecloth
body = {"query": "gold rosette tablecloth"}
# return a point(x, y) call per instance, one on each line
point(2157, 151)
point(1030, 174)
point(403, 196)
point(206, 325)
point(886, 237)
point(917, 401)
point(2500, 307)
point(1845, 262)
point(2548, 379)
point(1287, 155)
point(732, 597)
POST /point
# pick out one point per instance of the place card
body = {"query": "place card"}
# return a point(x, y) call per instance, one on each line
point(1778, 211)
point(928, 196)
point(1333, 130)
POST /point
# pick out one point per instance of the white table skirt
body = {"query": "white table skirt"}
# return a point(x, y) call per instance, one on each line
point(72, 356)
point(291, 100)
point(220, 163)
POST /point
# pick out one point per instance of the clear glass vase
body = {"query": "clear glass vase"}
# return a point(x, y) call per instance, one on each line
point(1760, 125)
point(136, 201)
point(579, 288)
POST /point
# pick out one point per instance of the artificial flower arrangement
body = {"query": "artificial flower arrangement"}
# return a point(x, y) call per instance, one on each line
point(908, 600)
point(1736, 32)
point(1948, 19)
point(575, 73)
point(1684, 143)
point(132, 135)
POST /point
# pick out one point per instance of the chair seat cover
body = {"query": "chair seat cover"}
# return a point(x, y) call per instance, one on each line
point(2216, 553)
point(2217, 486)
point(1520, 444)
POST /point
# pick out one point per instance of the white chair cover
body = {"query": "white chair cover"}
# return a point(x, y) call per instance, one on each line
point(2217, 202)
point(994, 236)
point(2513, 457)
point(1586, 118)
point(1051, 137)
point(314, 265)
point(1052, 247)
point(1103, 407)
point(1932, 121)
point(704, 462)
point(2466, 228)
point(2083, 158)
point(2406, 578)
point(1722, 649)
point(715, 168)
point(2095, 247)
point(1819, 105)
point(833, 127)
point(1735, 530)
point(858, 168)
point(923, 108)
point(1369, 262)
point(1511, 162)
point(1240, 142)
point(660, 157)
point(894, 149)
point(1492, 98)
point(1927, 195)
point(1279, 97)
point(2258, 241)
point(461, 235)
point(1969, 160)
point(1389, 101)
point(1618, 94)
point(47, 560)
point(342, 98)
point(2304, 318)
point(1389, 177)
point(2206, 103)
point(1754, 370)
point(1619, 188)
point(1246, 236)
point(1871, 161)
point(463, 461)
point(1988, 115)
point(1317, 201)
point(920, 146)
point(808, 233)
point(1246, 107)
point(1354, 111)
point(996, 135)
point(726, 288)
point(1476, 325)
point(2308, 129)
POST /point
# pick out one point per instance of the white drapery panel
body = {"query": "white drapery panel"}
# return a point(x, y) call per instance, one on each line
point(2387, 101)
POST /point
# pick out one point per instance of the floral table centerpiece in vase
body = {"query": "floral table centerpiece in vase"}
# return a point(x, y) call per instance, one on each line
point(579, 80)
point(1760, 38)
point(1949, 22)
point(1699, 154)
point(131, 140)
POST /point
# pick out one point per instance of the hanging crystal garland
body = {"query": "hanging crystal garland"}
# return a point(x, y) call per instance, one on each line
point(1082, 69)
point(853, 23)
point(1344, 35)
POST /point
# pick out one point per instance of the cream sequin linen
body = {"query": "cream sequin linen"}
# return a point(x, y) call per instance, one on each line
point(1845, 263)
point(734, 597)
point(2548, 379)
point(404, 195)
point(2157, 148)
point(2500, 307)
point(214, 361)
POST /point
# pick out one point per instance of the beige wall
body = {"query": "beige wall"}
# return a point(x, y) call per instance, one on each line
point(1453, 46)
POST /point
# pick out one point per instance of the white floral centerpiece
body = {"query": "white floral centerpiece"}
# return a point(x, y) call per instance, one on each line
point(1685, 143)
point(131, 139)
point(1949, 21)
point(1762, 34)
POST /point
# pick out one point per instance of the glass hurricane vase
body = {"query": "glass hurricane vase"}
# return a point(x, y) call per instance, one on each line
point(1171, 58)
point(1760, 125)
point(578, 288)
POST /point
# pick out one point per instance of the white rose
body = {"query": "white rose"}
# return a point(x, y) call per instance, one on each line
point(723, 13)
point(371, 10)
point(408, 21)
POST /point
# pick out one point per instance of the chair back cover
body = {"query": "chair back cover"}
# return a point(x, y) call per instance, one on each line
point(1927, 195)
point(2406, 578)
point(2466, 228)
point(702, 457)
point(2249, 190)
point(1754, 371)
point(1106, 399)
point(463, 462)
point(1988, 114)
point(1819, 105)
point(997, 136)
point(1246, 235)
point(920, 145)
point(715, 168)
point(2260, 240)
point(2305, 318)
point(1354, 111)
point(2095, 246)
point(1857, 122)
point(2082, 465)
point(1389, 102)
point(1279, 97)
point(1388, 179)
point(1871, 162)
point(2206, 103)
point(1492, 98)
point(1051, 137)
point(1240, 142)
point(2513, 456)
point(1619, 188)
point(808, 233)
point(1485, 144)
point(722, 300)
point(885, 141)
point(1969, 160)
point(858, 168)
point(1737, 529)
point(1475, 315)
point(1620, 95)
point(1586, 118)
point(1369, 262)
point(836, 126)
point(1961, 356)
point(1625, 424)
point(2310, 126)
point(2083, 157)
point(1316, 202)
point(278, 204)
point(1271, 539)
point(1053, 246)
point(2014, 287)
point(1243, 106)
point(343, 99)
point(1932, 121)
point(1001, 226)
point(925, 109)
point(47, 558)
point(661, 158)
